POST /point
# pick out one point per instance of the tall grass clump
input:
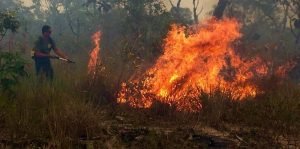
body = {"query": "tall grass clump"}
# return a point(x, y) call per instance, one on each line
point(275, 112)
point(54, 112)
point(218, 106)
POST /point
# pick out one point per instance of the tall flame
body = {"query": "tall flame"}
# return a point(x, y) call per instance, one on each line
point(94, 55)
point(204, 60)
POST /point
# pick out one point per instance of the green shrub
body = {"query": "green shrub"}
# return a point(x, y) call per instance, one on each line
point(8, 21)
point(12, 67)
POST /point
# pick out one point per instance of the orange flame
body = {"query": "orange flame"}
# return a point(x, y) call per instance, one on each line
point(201, 61)
point(94, 55)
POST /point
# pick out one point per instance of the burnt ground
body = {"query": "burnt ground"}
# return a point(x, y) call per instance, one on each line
point(123, 130)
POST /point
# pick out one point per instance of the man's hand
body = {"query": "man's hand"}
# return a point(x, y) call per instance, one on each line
point(60, 58)
point(67, 60)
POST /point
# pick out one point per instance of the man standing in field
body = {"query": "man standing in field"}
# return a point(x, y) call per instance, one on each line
point(41, 53)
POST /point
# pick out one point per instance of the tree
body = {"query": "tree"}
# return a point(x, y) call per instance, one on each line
point(195, 10)
point(132, 34)
point(8, 5)
point(265, 30)
point(293, 10)
point(11, 65)
point(274, 15)
point(219, 10)
point(8, 21)
point(76, 16)
point(180, 15)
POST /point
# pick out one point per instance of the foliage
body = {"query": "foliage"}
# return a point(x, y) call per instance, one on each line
point(181, 15)
point(8, 21)
point(133, 33)
point(12, 67)
point(9, 4)
point(265, 28)
point(268, 15)
point(292, 5)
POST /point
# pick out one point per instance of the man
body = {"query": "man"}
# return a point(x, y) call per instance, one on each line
point(41, 55)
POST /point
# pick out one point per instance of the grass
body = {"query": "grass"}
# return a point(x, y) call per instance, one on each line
point(53, 112)
point(276, 112)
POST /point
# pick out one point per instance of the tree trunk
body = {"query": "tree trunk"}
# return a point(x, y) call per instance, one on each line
point(11, 42)
point(25, 40)
point(177, 8)
point(219, 10)
point(195, 10)
point(78, 29)
point(178, 3)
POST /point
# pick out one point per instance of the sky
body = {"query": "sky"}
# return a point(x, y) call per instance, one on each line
point(27, 2)
point(207, 5)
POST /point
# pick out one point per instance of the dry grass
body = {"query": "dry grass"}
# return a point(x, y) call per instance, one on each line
point(275, 114)
point(49, 112)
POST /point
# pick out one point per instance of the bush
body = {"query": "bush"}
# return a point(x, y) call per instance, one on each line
point(12, 67)
point(8, 21)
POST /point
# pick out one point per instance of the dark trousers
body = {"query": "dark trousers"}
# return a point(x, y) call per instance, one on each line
point(43, 67)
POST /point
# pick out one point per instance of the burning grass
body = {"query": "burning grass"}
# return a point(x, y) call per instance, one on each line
point(95, 54)
point(201, 61)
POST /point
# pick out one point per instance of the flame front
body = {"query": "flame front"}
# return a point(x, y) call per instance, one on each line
point(94, 53)
point(203, 60)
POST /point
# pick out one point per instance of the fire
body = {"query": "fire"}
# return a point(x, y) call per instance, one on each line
point(203, 60)
point(94, 55)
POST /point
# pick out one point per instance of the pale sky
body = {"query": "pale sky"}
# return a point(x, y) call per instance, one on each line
point(27, 2)
point(207, 5)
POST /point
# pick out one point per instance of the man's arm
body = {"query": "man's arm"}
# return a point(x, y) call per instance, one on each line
point(60, 53)
point(56, 50)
